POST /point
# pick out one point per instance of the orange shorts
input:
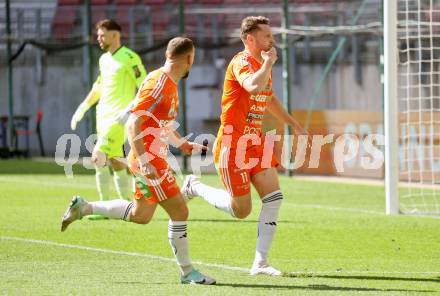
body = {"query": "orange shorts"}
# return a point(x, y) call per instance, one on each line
point(155, 190)
point(236, 167)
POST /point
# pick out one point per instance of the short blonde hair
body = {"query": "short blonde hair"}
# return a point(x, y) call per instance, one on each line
point(179, 46)
point(250, 24)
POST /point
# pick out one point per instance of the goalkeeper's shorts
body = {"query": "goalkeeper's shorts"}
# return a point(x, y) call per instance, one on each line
point(156, 190)
point(111, 141)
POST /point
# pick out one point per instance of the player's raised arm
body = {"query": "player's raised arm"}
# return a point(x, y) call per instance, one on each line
point(256, 82)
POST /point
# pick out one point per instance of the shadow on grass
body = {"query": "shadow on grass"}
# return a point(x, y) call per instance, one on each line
point(377, 278)
point(233, 221)
point(318, 288)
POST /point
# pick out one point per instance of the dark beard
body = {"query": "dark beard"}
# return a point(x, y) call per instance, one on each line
point(105, 47)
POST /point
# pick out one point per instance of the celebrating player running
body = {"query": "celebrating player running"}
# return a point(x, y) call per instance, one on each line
point(239, 153)
point(156, 105)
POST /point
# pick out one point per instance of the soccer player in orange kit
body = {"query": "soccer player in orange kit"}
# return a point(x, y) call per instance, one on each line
point(149, 132)
point(242, 154)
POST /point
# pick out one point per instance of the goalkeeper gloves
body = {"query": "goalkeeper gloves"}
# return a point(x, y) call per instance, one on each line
point(122, 117)
point(79, 114)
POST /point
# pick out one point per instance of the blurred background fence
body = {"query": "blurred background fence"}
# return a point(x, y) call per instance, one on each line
point(330, 70)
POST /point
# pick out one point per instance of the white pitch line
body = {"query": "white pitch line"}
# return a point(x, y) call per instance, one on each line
point(351, 210)
point(308, 206)
point(317, 273)
point(219, 266)
point(332, 208)
point(107, 251)
point(64, 184)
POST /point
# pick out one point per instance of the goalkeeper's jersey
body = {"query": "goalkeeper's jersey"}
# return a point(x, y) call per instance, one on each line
point(121, 73)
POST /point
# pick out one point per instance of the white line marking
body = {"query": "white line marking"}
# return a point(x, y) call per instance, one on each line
point(331, 208)
point(307, 206)
point(351, 210)
point(107, 251)
point(48, 183)
point(317, 273)
point(220, 266)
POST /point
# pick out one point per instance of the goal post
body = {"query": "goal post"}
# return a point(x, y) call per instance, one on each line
point(412, 106)
point(391, 107)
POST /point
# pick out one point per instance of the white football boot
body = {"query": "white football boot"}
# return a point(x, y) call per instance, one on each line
point(264, 268)
point(187, 190)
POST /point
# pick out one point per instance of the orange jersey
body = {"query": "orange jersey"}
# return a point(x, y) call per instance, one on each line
point(157, 102)
point(241, 110)
point(241, 124)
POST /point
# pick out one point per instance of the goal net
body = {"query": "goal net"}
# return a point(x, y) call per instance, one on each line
point(418, 111)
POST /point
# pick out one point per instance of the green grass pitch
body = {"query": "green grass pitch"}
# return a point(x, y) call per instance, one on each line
point(332, 239)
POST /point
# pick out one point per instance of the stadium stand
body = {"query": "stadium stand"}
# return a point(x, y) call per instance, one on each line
point(69, 2)
point(125, 2)
point(63, 21)
point(100, 2)
point(98, 13)
point(123, 18)
point(154, 2)
point(211, 2)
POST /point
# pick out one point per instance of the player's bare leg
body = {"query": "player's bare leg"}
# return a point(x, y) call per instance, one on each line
point(140, 211)
point(177, 236)
point(219, 198)
point(267, 185)
point(241, 205)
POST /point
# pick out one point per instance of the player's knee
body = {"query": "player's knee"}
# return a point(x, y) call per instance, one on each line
point(242, 213)
point(241, 207)
point(139, 219)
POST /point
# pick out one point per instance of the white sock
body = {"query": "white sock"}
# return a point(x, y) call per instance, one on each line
point(122, 183)
point(103, 182)
point(219, 198)
point(113, 209)
point(179, 244)
point(267, 224)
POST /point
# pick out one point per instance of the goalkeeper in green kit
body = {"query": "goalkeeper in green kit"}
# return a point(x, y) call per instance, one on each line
point(121, 73)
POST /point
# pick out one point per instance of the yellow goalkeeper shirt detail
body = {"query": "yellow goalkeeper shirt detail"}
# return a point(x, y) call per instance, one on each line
point(121, 73)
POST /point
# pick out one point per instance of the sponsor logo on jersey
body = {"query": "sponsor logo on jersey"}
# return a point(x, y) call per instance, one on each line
point(137, 72)
point(251, 116)
point(249, 130)
point(258, 108)
point(259, 98)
